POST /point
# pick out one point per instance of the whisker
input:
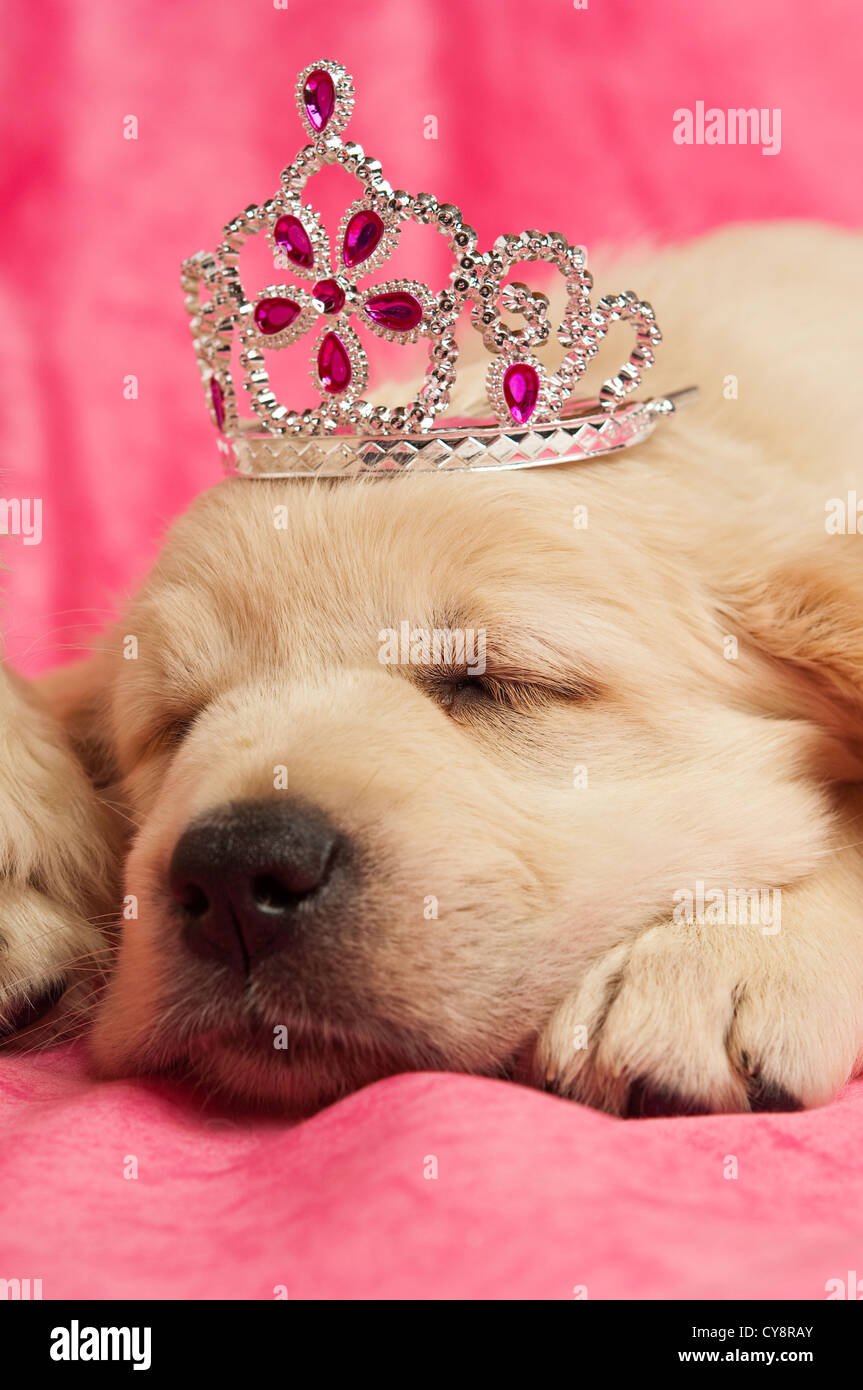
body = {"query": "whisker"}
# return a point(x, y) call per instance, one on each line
point(118, 810)
point(840, 849)
point(62, 927)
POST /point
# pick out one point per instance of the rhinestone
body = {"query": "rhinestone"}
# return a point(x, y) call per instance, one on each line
point(319, 97)
point(274, 315)
point(399, 311)
point(217, 396)
point(334, 367)
point(290, 234)
point(329, 295)
point(521, 391)
point(364, 231)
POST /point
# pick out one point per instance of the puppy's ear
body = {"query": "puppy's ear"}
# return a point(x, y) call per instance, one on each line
point(800, 622)
point(76, 694)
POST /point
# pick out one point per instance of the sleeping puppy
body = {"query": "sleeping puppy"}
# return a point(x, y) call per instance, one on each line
point(619, 857)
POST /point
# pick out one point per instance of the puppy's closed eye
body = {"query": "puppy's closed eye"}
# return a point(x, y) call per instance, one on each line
point(168, 733)
point(471, 690)
point(468, 693)
point(175, 729)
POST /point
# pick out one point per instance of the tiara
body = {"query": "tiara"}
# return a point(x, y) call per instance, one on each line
point(323, 296)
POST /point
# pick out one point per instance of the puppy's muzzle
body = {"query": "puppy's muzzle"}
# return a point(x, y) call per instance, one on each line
point(248, 877)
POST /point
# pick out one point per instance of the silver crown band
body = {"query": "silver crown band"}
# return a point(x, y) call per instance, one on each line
point(578, 436)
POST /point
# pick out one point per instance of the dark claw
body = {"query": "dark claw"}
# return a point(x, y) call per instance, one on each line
point(31, 1009)
point(646, 1101)
point(767, 1095)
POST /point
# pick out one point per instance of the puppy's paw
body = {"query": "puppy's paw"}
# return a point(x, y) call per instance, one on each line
point(55, 875)
point(51, 961)
point(700, 1019)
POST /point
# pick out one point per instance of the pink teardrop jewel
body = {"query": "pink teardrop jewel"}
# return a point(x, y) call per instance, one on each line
point(330, 296)
point(521, 391)
point(291, 235)
point(274, 315)
point(365, 230)
point(217, 396)
point(334, 366)
point(397, 310)
point(319, 98)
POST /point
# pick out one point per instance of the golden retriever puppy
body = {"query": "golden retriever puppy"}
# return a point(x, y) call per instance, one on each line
point(619, 857)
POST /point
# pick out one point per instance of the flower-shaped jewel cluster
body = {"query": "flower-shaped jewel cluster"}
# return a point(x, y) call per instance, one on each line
point(333, 297)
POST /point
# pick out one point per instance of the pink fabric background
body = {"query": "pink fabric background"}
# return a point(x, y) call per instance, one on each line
point(548, 116)
point(534, 1196)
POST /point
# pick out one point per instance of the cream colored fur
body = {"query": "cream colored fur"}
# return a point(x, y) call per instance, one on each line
point(555, 956)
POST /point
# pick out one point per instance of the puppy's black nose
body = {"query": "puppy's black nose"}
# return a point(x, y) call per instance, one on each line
point(246, 876)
